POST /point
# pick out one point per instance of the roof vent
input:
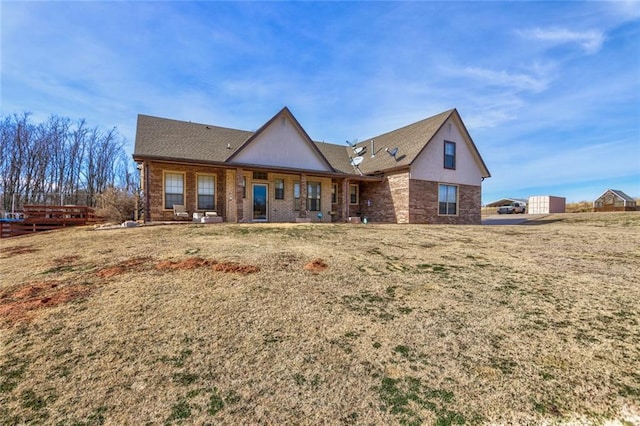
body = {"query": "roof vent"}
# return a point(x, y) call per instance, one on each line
point(393, 152)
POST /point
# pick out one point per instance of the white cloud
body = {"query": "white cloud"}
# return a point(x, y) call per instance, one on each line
point(590, 41)
point(517, 81)
point(625, 10)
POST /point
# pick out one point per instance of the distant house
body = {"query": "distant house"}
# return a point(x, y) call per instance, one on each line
point(614, 200)
point(427, 172)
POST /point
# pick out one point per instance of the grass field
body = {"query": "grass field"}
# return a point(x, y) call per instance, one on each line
point(324, 324)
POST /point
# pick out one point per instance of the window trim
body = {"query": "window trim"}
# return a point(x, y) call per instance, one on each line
point(452, 156)
point(318, 198)
point(164, 187)
point(276, 181)
point(296, 199)
point(457, 202)
point(244, 187)
point(357, 194)
point(198, 191)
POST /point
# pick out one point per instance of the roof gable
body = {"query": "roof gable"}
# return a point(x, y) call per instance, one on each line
point(281, 142)
point(469, 168)
point(409, 142)
point(618, 194)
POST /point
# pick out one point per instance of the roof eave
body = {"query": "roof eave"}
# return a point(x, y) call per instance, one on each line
point(225, 165)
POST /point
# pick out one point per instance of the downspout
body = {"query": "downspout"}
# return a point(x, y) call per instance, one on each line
point(147, 197)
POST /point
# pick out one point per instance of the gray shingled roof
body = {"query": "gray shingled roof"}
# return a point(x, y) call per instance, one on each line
point(337, 156)
point(162, 137)
point(179, 140)
point(410, 141)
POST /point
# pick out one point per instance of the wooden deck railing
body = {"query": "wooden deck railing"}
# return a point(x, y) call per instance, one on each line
point(46, 218)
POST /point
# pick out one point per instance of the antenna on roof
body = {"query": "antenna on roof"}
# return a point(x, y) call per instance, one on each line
point(393, 152)
point(359, 150)
point(373, 150)
point(355, 162)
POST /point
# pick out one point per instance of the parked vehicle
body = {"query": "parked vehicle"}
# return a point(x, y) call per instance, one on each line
point(513, 208)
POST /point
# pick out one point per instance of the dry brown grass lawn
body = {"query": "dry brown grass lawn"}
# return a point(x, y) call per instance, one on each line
point(331, 324)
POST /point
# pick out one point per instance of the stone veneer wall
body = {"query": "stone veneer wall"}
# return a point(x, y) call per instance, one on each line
point(424, 204)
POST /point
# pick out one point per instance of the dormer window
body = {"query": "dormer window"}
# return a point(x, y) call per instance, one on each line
point(449, 155)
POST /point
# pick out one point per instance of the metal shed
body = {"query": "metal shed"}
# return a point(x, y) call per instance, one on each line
point(545, 204)
point(505, 201)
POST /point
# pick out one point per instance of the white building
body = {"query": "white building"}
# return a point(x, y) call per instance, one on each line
point(545, 204)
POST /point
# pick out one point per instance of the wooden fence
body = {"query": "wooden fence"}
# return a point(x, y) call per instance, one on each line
point(46, 218)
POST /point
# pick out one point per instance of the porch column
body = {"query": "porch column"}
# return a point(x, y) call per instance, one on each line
point(344, 201)
point(303, 195)
point(239, 199)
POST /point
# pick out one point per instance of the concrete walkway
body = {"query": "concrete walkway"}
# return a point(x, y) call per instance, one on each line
point(510, 219)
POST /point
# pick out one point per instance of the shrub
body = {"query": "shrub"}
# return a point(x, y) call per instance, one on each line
point(116, 205)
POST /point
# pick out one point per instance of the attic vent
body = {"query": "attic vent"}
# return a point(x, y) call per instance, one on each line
point(283, 120)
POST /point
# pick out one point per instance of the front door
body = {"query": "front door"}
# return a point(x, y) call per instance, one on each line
point(260, 191)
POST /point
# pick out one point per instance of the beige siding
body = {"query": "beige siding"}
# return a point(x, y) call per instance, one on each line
point(429, 165)
point(281, 145)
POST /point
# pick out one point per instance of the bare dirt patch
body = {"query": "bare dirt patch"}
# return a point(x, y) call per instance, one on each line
point(23, 303)
point(228, 267)
point(190, 263)
point(129, 265)
point(198, 262)
point(316, 266)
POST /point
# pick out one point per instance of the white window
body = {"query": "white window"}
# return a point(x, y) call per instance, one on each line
point(279, 189)
point(244, 187)
point(206, 192)
point(313, 196)
point(354, 194)
point(447, 199)
point(449, 155)
point(173, 189)
point(296, 195)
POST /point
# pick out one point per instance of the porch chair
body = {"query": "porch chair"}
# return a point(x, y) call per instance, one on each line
point(180, 212)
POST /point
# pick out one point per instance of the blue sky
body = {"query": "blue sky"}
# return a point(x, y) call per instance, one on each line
point(549, 91)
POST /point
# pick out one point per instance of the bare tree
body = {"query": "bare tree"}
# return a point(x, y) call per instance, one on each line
point(57, 161)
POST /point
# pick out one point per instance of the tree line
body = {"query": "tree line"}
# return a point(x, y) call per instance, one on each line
point(60, 161)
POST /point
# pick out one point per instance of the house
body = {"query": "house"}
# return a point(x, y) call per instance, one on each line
point(427, 172)
point(614, 200)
